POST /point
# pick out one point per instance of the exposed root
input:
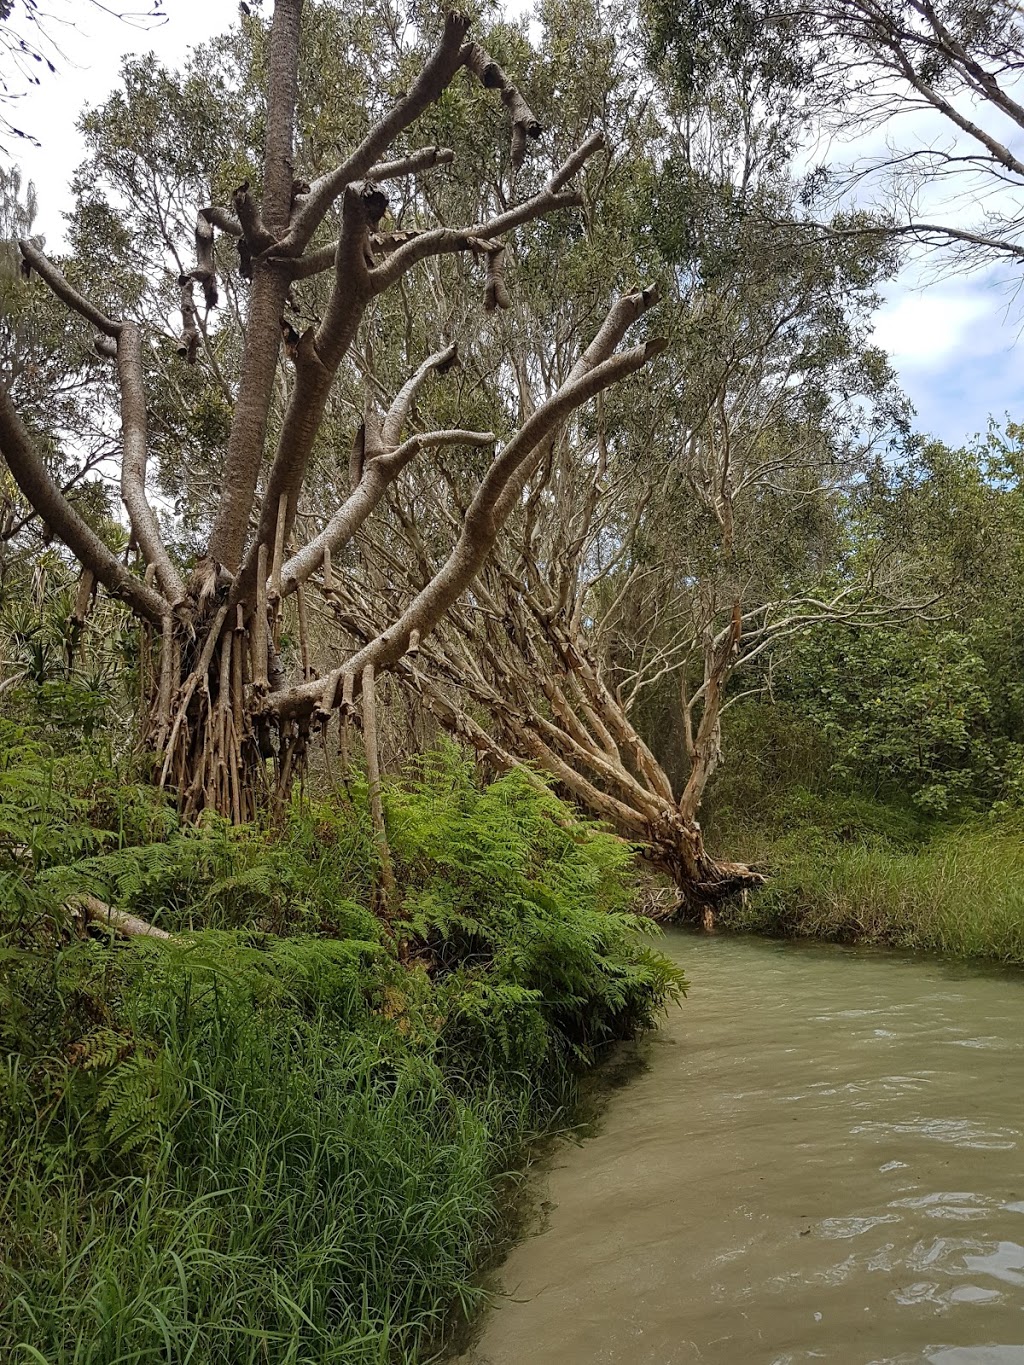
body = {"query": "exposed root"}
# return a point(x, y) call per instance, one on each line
point(205, 737)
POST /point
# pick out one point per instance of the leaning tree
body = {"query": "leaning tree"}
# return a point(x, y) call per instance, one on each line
point(666, 548)
point(669, 544)
point(222, 703)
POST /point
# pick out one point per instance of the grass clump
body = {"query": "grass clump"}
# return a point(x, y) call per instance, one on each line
point(281, 1136)
point(852, 870)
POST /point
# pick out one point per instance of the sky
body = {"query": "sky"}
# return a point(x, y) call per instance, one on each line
point(952, 342)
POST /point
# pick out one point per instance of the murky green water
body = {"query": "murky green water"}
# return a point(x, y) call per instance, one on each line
point(823, 1161)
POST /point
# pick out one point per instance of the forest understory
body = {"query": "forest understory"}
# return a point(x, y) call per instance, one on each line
point(287, 1129)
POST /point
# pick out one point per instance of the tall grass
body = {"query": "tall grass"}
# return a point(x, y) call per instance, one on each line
point(954, 890)
point(282, 1136)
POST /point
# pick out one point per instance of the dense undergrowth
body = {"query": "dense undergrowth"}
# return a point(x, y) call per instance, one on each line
point(282, 1135)
point(856, 870)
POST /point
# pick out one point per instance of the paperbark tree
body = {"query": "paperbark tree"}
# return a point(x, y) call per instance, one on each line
point(670, 544)
point(575, 616)
point(221, 705)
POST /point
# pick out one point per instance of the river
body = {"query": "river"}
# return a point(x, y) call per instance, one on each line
point(821, 1158)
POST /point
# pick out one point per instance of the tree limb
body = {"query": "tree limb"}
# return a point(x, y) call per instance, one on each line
point(100, 913)
point(66, 292)
point(422, 160)
point(377, 475)
point(482, 523)
point(133, 463)
point(490, 75)
point(428, 86)
point(36, 483)
point(441, 361)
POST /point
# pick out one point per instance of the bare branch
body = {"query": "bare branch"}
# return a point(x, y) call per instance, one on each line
point(47, 271)
point(490, 75)
point(258, 238)
point(35, 482)
point(428, 86)
point(480, 238)
point(133, 463)
point(98, 912)
point(922, 231)
point(483, 522)
point(376, 476)
point(222, 219)
point(188, 347)
point(205, 273)
point(594, 143)
point(422, 160)
point(440, 362)
point(495, 293)
point(421, 244)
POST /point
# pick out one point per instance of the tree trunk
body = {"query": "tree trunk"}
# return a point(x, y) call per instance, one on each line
point(676, 847)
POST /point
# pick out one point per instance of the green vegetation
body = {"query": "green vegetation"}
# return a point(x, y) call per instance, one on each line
point(283, 1134)
point(847, 871)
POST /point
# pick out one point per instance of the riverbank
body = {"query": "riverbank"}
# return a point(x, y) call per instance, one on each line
point(857, 873)
point(285, 1133)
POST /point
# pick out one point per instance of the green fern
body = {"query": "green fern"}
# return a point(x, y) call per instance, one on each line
point(290, 1104)
point(99, 1050)
point(137, 1097)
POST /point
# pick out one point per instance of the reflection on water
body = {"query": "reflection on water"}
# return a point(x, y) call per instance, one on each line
point(823, 1161)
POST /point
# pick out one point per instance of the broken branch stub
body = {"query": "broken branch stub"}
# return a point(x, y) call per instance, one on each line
point(495, 292)
point(188, 347)
point(525, 123)
point(205, 273)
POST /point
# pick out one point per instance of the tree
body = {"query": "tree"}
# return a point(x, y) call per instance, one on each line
point(856, 67)
point(670, 545)
point(221, 705)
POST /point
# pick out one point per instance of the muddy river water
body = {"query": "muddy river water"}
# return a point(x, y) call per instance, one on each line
point(821, 1159)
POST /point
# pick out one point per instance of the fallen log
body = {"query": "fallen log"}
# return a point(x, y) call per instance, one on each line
point(93, 910)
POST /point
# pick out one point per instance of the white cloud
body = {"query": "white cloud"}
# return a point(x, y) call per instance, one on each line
point(93, 43)
point(920, 331)
point(954, 348)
